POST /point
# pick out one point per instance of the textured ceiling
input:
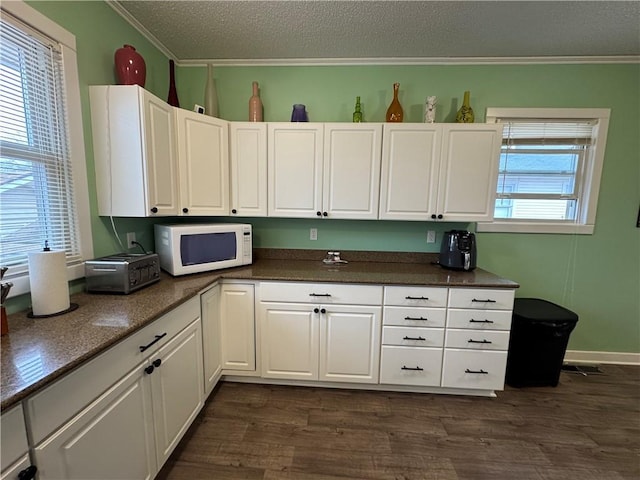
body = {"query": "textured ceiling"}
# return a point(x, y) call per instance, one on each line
point(247, 31)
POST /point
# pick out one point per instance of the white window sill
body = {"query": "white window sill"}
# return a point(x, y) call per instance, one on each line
point(535, 227)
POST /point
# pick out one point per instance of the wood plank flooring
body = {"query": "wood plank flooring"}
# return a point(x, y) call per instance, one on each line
point(586, 428)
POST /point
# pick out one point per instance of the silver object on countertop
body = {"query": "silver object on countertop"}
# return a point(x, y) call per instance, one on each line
point(6, 287)
point(333, 258)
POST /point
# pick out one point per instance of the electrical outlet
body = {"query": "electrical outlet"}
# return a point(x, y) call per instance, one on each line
point(131, 238)
point(431, 236)
point(313, 234)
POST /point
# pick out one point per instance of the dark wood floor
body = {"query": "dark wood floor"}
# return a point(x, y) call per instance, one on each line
point(586, 428)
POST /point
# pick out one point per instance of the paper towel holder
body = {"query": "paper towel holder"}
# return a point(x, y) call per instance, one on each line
point(72, 307)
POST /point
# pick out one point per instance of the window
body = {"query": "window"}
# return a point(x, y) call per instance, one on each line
point(43, 193)
point(549, 170)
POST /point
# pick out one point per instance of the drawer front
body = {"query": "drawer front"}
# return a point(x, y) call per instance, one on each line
point(411, 366)
point(320, 293)
point(477, 339)
point(413, 336)
point(415, 296)
point(414, 316)
point(473, 369)
point(51, 407)
point(481, 298)
point(479, 319)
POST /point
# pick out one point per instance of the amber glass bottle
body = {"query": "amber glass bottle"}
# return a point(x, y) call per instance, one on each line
point(394, 112)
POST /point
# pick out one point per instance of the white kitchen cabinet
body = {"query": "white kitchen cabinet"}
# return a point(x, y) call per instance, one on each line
point(295, 169)
point(324, 170)
point(138, 418)
point(135, 152)
point(477, 338)
point(203, 163)
point(248, 154)
point(442, 172)
point(316, 331)
point(289, 341)
point(237, 330)
point(14, 449)
point(409, 178)
point(351, 172)
point(211, 337)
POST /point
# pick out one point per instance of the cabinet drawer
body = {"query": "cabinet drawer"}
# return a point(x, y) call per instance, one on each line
point(411, 366)
point(481, 298)
point(53, 406)
point(473, 369)
point(14, 437)
point(414, 316)
point(479, 319)
point(477, 339)
point(413, 336)
point(321, 293)
point(412, 296)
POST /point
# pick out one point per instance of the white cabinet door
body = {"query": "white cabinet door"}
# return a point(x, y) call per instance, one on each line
point(177, 390)
point(469, 172)
point(13, 436)
point(134, 151)
point(111, 438)
point(237, 318)
point(211, 341)
point(289, 340)
point(295, 169)
point(351, 174)
point(349, 343)
point(410, 161)
point(203, 159)
point(248, 151)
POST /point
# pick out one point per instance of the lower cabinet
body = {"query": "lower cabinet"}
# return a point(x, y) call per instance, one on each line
point(139, 419)
point(14, 448)
point(211, 342)
point(237, 327)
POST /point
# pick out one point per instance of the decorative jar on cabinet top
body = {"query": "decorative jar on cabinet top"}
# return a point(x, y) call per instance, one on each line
point(210, 94)
point(130, 66)
point(255, 105)
point(465, 114)
point(172, 98)
point(394, 112)
point(299, 113)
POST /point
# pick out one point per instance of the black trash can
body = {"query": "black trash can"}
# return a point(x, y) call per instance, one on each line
point(539, 335)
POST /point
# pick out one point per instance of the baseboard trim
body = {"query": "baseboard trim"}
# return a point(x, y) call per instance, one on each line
point(620, 358)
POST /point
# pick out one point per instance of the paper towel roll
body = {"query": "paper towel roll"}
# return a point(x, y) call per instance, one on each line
point(49, 284)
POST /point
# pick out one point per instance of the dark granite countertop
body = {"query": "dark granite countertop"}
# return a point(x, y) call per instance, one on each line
point(38, 351)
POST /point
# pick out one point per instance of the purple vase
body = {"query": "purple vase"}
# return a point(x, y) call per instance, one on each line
point(299, 113)
point(130, 66)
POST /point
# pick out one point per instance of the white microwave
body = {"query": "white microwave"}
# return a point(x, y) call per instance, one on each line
point(193, 248)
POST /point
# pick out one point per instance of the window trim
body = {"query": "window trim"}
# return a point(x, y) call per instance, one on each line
point(592, 173)
point(36, 20)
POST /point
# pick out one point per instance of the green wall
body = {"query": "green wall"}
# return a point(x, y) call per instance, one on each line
point(597, 276)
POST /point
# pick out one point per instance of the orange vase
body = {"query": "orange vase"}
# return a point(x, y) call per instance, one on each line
point(394, 112)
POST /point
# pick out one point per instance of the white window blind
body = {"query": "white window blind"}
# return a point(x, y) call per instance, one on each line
point(36, 185)
point(542, 165)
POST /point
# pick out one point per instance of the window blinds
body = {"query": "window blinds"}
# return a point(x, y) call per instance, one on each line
point(555, 132)
point(36, 188)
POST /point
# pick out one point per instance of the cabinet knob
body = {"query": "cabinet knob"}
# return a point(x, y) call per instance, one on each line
point(234, 211)
point(322, 310)
point(154, 210)
point(319, 214)
point(433, 215)
point(316, 310)
point(28, 473)
point(324, 214)
point(149, 370)
point(157, 362)
point(440, 217)
point(185, 210)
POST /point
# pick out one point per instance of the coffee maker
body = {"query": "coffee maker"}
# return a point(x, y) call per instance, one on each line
point(458, 250)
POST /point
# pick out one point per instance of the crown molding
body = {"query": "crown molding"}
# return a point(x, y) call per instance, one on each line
point(115, 4)
point(284, 62)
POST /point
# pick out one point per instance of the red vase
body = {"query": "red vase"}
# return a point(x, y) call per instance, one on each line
point(172, 99)
point(130, 66)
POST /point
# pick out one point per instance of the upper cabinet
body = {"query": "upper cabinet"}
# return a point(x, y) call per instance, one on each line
point(134, 150)
point(442, 172)
point(153, 159)
point(248, 153)
point(203, 163)
point(324, 170)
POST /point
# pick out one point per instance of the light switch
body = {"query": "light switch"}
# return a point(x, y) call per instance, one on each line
point(431, 236)
point(313, 234)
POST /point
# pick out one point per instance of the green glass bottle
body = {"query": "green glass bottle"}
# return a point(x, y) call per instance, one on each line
point(357, 114)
